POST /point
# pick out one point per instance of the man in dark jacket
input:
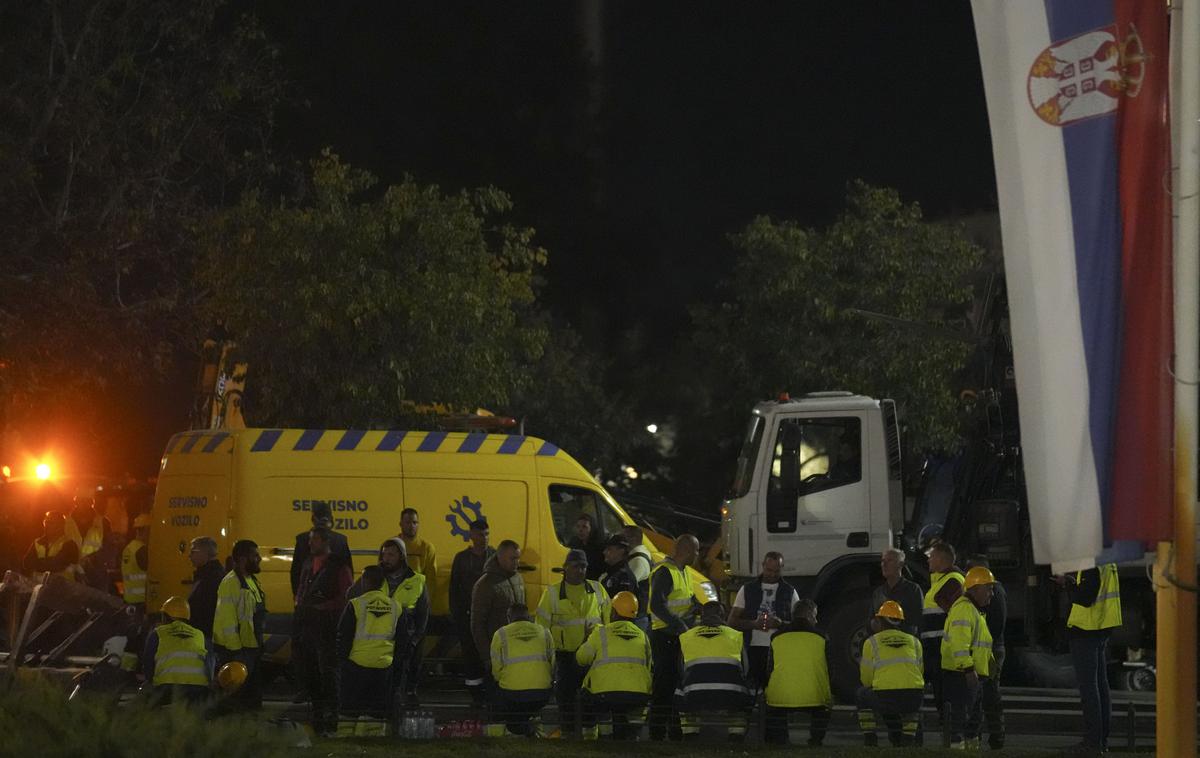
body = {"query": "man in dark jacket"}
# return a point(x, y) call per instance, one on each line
point(761, 608)
point(320, 599)
point(206, 578)
point(322, 516)
point(465, 571)
point(895, 587)
point(617, 576)
point(498, 590)
point(587, 539)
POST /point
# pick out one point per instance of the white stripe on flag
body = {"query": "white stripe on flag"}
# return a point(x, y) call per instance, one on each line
point(1043, 298)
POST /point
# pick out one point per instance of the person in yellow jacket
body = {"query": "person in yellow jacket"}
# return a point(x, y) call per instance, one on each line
point(945, 585)
point(176, 660)
point(798, 677)
point(893, 678)
point(522, 655)
point(238, 622)
point(54, 551)
point(673, 609)
point(366, 639)
point(570, 609)
point(133, 564)
point(715, 672)
point(967, 655)
point(618, 680)
point(1095, 612)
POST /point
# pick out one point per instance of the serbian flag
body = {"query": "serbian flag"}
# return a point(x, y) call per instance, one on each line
point(1077, 101)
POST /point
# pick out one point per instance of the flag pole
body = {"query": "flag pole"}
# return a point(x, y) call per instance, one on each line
point(1175, 570)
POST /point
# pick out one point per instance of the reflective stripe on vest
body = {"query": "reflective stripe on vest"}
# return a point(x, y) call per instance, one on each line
point(181, 655)
point(409, 591)
point(531, 666)
point(974, 645)
point(1105, 613)
point(679, 600)
point(376, 617)
point(133, 577)
point(932, 615)
point(896, 665)
point(93, 540)
point(233, 622)
point(712, 660)
point(800, 676)
point(52, 550)
point(566, 622)
point(622, 662)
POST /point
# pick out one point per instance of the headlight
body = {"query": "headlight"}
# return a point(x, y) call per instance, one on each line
point(710, 591)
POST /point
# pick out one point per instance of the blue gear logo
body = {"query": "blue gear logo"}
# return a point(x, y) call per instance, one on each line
point(458, 509)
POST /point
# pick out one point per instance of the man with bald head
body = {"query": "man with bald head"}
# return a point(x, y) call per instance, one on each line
point(673, 610)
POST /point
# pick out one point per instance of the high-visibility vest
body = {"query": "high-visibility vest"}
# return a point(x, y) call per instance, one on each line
point(933, 618)
point(133, 576)
point(522, 656)
point(679, 600)
point(967, 644)
point(375, 619)
point(620, 659)
point(1105, 613)
point(409, 591)
point(892, 660)
point(93, 540)
point(800, 673)
point(53, 549)
point(712, 660)
point(181, 655)
point(233, 622)
point(570, 621)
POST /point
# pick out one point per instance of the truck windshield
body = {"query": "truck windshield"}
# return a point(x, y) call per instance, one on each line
point(747, 457)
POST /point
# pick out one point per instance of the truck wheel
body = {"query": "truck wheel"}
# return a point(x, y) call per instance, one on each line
point(848, 631)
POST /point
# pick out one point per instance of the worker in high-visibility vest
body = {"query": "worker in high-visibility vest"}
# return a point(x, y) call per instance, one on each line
point(672, 612)
point(945, 585)
point(522, 655)
point(618, 680)
point(570, 609)
point(53, 551)
point(797, 672)
point(966, 656)
point(893, 678)
point(238, 621)
point(176, 660)
point(366, 640)
point(1095, 612)
point(715, 673)
point(133, 564)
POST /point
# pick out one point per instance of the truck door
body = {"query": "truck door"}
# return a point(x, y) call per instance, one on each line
point(817, 499)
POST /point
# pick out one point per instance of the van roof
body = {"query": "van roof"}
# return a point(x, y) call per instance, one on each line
point(356, 440)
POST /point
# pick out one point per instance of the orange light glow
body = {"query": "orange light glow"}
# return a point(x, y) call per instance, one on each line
point(42, 471)
point(6, 471)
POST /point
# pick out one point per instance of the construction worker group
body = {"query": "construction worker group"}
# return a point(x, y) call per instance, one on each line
point(633, 647)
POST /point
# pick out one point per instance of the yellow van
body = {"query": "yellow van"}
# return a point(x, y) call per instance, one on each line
point(260, 484)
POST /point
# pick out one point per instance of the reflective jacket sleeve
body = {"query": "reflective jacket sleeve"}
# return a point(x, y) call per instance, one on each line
point(587, 651)
point(544, 615)
point(497, 665)
point(866, 668)
point(958, 640)
point(661, 585)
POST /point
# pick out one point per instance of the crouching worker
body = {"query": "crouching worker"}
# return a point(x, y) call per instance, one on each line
point(618, 683)
point(893, 678)
point(366, 646)
point(714, 675)
point(798, 679)
point(522, 665)
point(175, 660)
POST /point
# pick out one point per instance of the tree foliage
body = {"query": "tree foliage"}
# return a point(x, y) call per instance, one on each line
point(348, 303)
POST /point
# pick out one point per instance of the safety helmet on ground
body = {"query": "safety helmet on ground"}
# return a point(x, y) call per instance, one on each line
point(142, 519)
point(625, 604)
point(891, 610)
point(177, 608)
point(231, 676)
point(977, 576)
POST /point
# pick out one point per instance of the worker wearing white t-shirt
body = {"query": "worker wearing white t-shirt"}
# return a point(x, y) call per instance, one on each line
point(763, 606)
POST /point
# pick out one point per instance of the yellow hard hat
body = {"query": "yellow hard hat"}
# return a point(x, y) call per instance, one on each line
point(143, 519)
point(891, 610)
point(977, 576)
point(231, 676)
point(625, 604)
point(177, 608)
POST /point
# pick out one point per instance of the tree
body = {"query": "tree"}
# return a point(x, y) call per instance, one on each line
point(874, 304)
point(351, 301)
point(123, 123)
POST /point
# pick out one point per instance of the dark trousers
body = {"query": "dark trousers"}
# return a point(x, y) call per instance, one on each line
point(1089, 654)
point(900, 711)
point(961, 696)
point(472, 667)
point(410, 667)
point(664, 719)
point(188, 694)
point(990, 708)
point(614, 709)
point(757, 658)
point(248, 697)
point(933, 670)
point(316, 662)
point(568, 679)
point(775, 730)
point(364, 691)
point(516, 708)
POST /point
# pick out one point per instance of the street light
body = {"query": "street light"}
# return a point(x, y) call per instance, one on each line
point(42, 471)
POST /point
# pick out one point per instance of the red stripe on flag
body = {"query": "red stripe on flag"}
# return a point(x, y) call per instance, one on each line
point(1142, 477)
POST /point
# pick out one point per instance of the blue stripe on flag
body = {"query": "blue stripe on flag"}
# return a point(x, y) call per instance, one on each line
point(391, 441)
point(350, 439)
point(191, 443)
point(309, 439)
point(216, 441)
point(266, 440)
point(432, 441)
point(547, 448)
point(471, 442)
point(511, 445)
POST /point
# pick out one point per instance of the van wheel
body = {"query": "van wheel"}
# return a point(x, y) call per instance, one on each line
point(848, 631)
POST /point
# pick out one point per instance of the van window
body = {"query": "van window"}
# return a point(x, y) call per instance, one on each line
point(566, 503)
point(810, 455)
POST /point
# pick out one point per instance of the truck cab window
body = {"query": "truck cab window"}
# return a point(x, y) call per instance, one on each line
point(748, 457)
point(810, 455)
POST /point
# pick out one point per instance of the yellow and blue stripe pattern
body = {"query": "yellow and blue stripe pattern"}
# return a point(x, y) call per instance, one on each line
point(326, 440)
